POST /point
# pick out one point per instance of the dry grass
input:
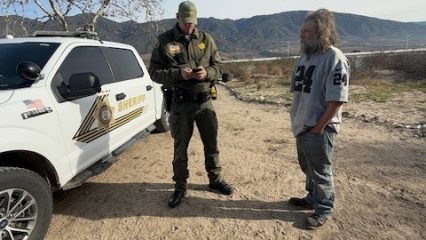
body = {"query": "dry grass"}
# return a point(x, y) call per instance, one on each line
point(382, 76)
point(411, 65)
point(245, 71)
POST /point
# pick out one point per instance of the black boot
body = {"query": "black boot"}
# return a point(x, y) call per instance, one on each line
point(176, 198)
point(222, 187)
point(301, 203)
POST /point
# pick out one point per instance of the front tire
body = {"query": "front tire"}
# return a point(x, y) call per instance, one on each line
point(25, 204)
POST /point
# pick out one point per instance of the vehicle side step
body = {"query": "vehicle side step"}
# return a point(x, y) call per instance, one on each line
point(93, 170)
point(143, 134)
point(105, 162)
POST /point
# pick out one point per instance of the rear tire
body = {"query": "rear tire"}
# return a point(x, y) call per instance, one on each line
point(162, 124)
point(23, 189)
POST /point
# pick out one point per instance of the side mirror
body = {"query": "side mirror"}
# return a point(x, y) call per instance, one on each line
point(80, 85)
point(28, 70)
point(84, 81)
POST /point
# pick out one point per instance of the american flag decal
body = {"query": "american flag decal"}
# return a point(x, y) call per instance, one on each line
point(36, 108)
point(31, 104)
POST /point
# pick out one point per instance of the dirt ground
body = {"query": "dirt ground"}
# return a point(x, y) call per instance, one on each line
point(380, 175)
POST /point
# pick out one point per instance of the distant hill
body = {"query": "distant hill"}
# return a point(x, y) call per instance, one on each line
point(258, 36)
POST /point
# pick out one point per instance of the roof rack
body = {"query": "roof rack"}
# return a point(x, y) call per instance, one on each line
point(80, 34)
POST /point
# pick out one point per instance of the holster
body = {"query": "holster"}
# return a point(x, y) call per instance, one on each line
point(186, 96)
point(168, 97)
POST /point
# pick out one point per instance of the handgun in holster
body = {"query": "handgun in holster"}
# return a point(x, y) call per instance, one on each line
point(168, 97)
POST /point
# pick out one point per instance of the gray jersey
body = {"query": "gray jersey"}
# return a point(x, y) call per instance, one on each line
point(323, 77)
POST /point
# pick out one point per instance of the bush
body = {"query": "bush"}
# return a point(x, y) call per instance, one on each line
point(245, 70)
point(413, 65)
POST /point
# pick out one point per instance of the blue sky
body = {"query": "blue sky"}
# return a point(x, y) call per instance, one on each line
point(398, 10)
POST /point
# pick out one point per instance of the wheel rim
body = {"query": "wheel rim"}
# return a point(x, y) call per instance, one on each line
point(18, 214)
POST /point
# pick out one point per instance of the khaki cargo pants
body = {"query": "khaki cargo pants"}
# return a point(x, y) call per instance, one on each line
point(182, 118)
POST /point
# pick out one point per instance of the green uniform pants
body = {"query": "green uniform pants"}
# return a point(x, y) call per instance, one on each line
point(182, 118)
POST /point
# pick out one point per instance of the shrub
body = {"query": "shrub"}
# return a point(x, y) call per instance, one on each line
point(276, 70)
point(263, 68)
point(413, 65)
point(245, 70)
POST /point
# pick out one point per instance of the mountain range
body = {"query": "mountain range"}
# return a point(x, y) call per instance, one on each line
point(258, 36)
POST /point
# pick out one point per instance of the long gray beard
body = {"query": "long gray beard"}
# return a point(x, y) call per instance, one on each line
point(310, 48)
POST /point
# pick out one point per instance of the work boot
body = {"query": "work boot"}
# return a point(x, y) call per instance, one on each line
point(315, 221)
point(301, 203)
point(176, 198)
point(222, 187)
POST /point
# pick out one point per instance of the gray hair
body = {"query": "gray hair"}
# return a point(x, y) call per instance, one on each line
point(326, 27)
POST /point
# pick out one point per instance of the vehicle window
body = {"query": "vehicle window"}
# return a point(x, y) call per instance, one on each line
point(84, 60)
point(14, 53)
point(124, 64)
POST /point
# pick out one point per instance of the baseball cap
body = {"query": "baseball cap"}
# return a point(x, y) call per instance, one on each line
point(188, 12)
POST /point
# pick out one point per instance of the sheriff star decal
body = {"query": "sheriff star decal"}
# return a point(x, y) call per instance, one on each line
point(104, 113)
point(101, 120)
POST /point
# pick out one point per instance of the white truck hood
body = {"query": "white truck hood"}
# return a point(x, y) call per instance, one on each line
point(5, 95)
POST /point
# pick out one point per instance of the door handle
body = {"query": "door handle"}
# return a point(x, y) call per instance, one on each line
point(120, 96)
point(148, 88)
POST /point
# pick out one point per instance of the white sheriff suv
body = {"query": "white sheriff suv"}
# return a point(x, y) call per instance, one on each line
point(69, 104)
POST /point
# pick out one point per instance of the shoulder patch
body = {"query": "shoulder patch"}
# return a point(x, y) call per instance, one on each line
point(174, 48)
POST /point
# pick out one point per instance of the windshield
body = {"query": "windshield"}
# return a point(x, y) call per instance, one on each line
point(12, 54)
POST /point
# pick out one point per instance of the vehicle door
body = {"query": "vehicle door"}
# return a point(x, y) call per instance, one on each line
point(133, 93)
point(95, 125)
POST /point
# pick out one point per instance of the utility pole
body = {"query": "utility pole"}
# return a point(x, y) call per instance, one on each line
point(406, 41)
point(288, 48)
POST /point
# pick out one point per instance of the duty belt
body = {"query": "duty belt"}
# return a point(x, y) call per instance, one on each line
point(185, 96)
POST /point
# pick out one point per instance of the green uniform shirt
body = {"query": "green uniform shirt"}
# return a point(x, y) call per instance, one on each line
point(173, 51)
